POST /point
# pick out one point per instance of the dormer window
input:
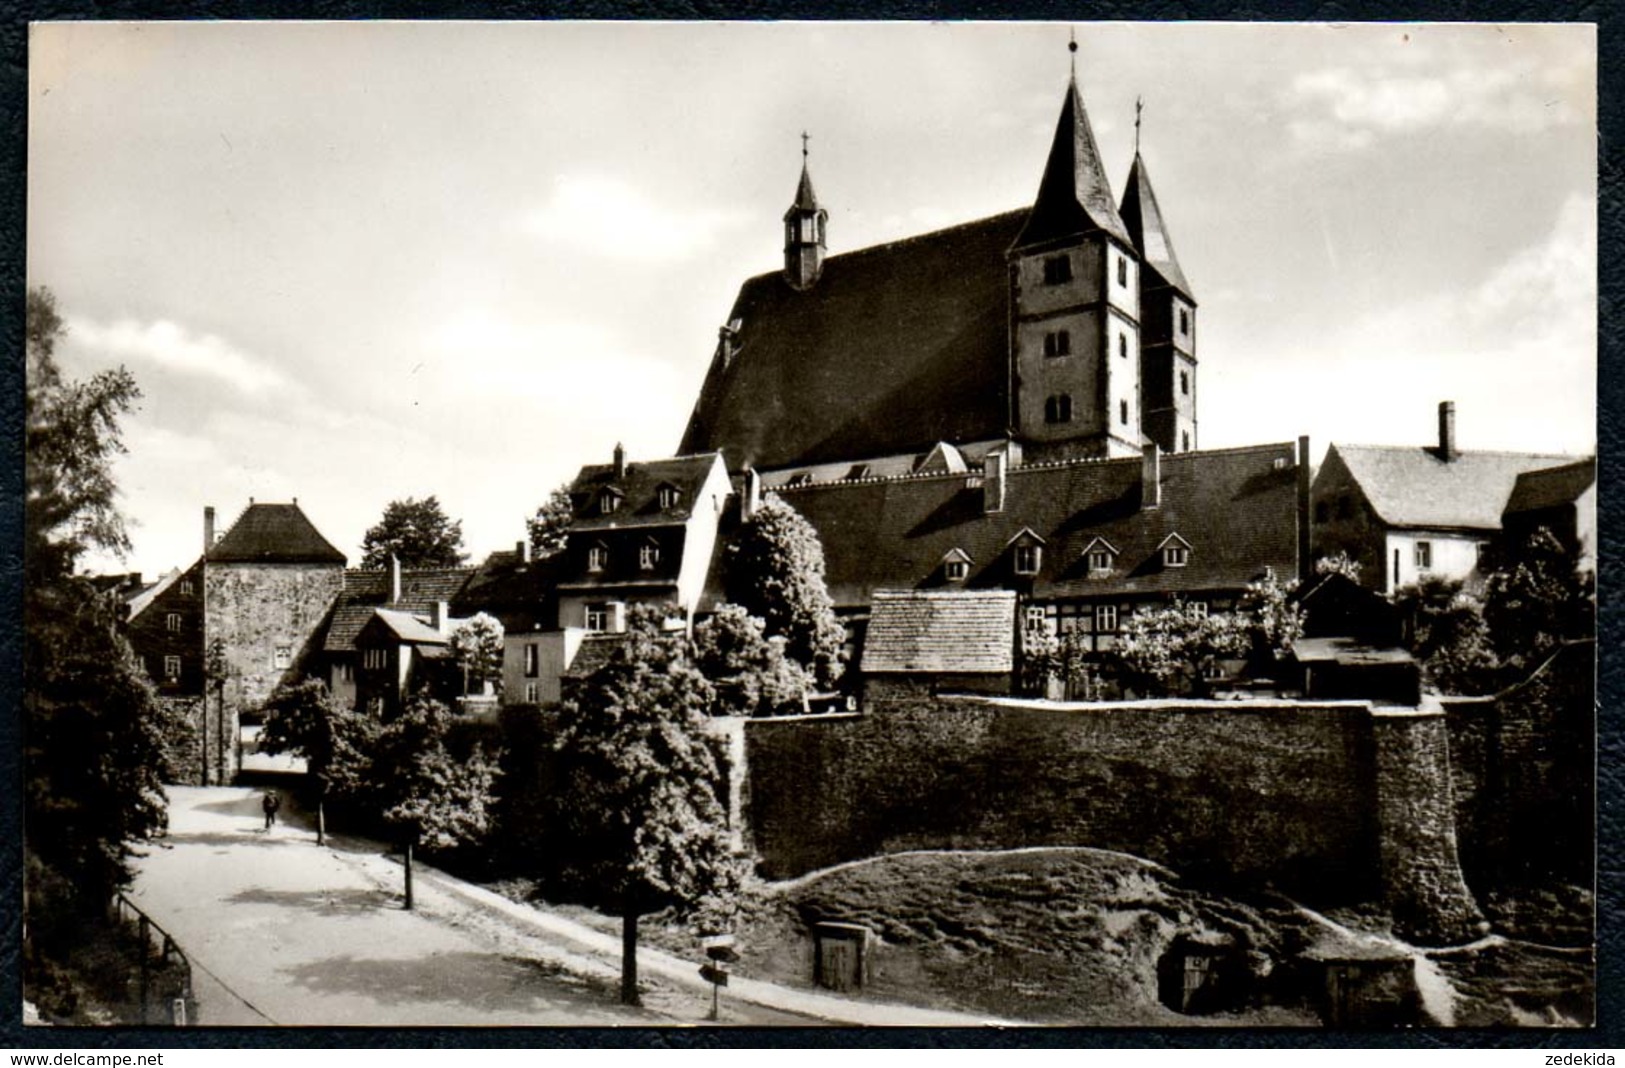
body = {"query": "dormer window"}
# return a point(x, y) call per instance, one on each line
point(956, 565)
point(1058, 343)
point(609, 499)
point(1100, 560)
point(1057, 270)
point(668, 497)
point(1176, 551)
point(648, 556)
point(1028, 559)
point(1100, 556)
point(597, 557)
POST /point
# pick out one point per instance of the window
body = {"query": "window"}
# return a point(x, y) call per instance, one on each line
point(375, 706)
point(956, 570)
point(172, 668)
point(1185, 383)
point(598, 618)
point(1424, 555)
point(1057, 270)
point(1122, 412)
point(373, 659)
point(172, 622)
point(1106, 617)
point(532, 693)
point(346, 671)
point(1035, 619)
point(1175, 556)
point(1122, 271)
point(1184, 321)
point(1185, 441)
point(282, 657)
point(597, 557)
point(186, 588)
point(1028, 558)
point(668, 497)
point(608, 501)
point(1199, 609)
point(533, 660)
point(1122, 345)
point(1058, 343)
point(1058, 408)
point(648, 556)
point(1100, 560)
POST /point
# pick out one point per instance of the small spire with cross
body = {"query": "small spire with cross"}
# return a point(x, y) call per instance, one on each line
point(1139, 105)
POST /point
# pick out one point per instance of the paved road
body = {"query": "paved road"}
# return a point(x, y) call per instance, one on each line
point(286, 932)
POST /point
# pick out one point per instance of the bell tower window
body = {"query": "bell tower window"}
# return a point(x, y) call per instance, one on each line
point(1057, 270)
point(1058, 408)
point(1058, 343)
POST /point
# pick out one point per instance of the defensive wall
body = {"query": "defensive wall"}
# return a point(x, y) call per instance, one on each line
point(1331, 802)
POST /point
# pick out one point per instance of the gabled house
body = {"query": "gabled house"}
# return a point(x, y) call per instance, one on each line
point(925, 641)
point(411, 591)
point(1407, 513)
point(165, 629)
point(1563, 500)
point(399, 654)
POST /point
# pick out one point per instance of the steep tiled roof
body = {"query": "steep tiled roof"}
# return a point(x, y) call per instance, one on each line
point(1551, 487)
point(1143, 218)
point(518, 592)
point(142, 600)
point(944, 630)
point(273, 534)
point(1236, 507)
point(365, 591)
point(1412, 487)
point(408, 628)
point(806, 199)
point(593, 654)
point(895, 348)
point(1074, 196)
point(638, 491)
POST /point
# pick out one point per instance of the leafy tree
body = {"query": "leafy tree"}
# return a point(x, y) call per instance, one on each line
point(1447, 634)
point(1339, 563)
point(425, 795)
point(551, 523)
point(417, 533)
point(336, 742)
point(1273, 618)
point(476, 645)
point(749, 671)
point(93, 754)
point(1536, 600)
point(643, 825)
point(1164, 651)
point(774, 569)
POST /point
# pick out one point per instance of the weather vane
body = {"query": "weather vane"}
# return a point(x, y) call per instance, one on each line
point(1072, 47)
point(804, 140)
point(1139, 104)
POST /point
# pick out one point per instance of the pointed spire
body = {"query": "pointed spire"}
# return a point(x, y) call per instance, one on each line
point(1074, 196)
point(804, 225)
point(1145, 225)
point(806, 199)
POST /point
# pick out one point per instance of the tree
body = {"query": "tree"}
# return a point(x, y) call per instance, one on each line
point(1170, 650)
point(774, 569)
point(1446, 632)
point(424, 794)
point(1339, 563)
point(550, 525)
point(417, 533)
point(749, 671)
point(1536, 600)
point(93, 754)
point(1273, 618)
point(476, 645)
point(335, 742)
point(643, 824)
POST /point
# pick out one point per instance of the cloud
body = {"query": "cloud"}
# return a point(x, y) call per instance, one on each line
point(1346, 109)
point(165, 344)
point(608, 218)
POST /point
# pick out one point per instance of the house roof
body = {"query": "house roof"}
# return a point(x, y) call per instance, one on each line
point(593, 653)
point(1145, 224)
point(407, 627)
point(1074, 196)
point(273, 534)
point(639, 490)
point(365, 591)
point(895, 348)
point(1236, 507)
point(962, 631)
point(1413, 487)
point(144, 598)
point(1551, 487)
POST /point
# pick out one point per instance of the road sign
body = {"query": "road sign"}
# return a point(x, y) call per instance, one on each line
point(712, 974)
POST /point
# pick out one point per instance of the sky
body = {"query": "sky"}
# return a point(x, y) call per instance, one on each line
point(355, 262)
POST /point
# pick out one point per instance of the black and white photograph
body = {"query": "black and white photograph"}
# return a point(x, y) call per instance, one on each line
point(810, 524)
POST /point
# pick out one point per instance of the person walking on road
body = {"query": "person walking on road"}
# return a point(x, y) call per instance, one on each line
point(270, 803)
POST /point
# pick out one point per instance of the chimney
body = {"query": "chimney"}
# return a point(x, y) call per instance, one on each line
point(620, 461)
point(1305, 565)
point(751, 499)
point(1447, 430)
point(440, 616)
point(994, 467)
point(394, 578)
point(1150, 476)
point(521, 549)
point(208, 528)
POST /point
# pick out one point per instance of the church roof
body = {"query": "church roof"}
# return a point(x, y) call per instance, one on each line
point(1145, 225)
point(1074, 196)
point(895, 348)
point(273, 534)
point(1412, 487)
point(961, 631)
point(1237, 508)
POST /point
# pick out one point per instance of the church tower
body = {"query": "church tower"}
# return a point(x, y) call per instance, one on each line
point(1075, 307)
point(804, 232)
point(1167, 320)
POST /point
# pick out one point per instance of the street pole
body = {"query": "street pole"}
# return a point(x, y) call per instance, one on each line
point(409, 874)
